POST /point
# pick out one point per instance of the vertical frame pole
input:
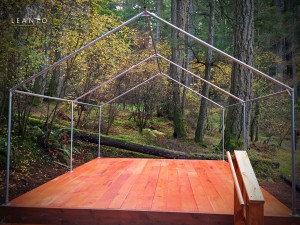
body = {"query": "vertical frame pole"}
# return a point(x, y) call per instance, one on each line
point(245, 126)
point(8, 148)
point(99, 141)
point(223, 133)
point(72, 134)
point(294, 210)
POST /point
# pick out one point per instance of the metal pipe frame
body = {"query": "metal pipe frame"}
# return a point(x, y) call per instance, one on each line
point(8, 148)
point(131, 89)
point(55, 98)
point(260, 98)
point(294, 209)
point(72, 134)
point(221, 52)
point(202, 79)
point(99, 138)
point(77, 51)
point(115, 77)
point(223, 133)
point(208, 99)
point(267, 96)
point(87, 104)
point(42, 96)
point(245, 126)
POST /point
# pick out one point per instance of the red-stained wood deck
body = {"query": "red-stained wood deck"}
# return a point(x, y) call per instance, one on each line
point(138, 191)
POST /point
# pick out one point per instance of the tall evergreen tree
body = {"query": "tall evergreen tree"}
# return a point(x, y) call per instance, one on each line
point(241, 78)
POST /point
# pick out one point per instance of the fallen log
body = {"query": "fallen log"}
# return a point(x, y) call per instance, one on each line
point(289, 181)
point(116, 143)
point(145, 149)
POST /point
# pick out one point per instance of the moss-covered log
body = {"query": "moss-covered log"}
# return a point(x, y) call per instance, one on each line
point(121, 144)
point(146, 149)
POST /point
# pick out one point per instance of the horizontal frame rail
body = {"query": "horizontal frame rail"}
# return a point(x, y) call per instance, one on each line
point(260, 98)
point(42, 96)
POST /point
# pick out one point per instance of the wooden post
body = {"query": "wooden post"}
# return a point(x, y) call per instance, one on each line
point(255, 213)
point(253, 197)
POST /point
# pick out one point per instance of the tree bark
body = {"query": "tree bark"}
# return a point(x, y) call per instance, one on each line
point(159, 4)
point(254, 123)
point(199, 134)
point(241, 78)
point(179, 17)
point(189, 54)
point(53, 89)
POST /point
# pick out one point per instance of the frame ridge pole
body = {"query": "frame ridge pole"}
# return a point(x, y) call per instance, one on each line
point(71, 138)
point(294, 210)
point(245, 126)
point(8, 147)
point(99, 143)
point(223, 133)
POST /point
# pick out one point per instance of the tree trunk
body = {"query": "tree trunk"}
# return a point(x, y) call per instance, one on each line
point(53, 89)
point(159, 4)
point(199, 134)
point(254, 123)
point(189, 54)
point(241, 78)
point(179, 17)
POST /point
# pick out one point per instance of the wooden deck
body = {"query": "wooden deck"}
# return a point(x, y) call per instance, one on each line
point(138, 191)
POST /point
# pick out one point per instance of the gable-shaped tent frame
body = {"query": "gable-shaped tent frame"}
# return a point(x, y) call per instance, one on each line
point(145, 13)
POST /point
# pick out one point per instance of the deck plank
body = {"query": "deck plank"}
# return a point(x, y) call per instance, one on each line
point(133, 174)
point(151, 190)
point(160, 199)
